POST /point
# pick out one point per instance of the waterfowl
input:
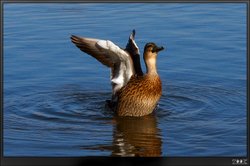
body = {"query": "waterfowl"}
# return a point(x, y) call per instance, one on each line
point(133, 92)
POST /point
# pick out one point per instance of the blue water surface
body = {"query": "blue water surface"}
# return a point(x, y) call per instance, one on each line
point(54, 94)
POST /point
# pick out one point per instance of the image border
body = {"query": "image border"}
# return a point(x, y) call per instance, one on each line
point(168, 161)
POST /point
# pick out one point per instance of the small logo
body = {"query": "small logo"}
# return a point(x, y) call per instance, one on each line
point(239, 161)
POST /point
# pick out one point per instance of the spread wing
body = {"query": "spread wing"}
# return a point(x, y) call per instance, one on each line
point(133, 50)
point(89, 46)
point(111, 56)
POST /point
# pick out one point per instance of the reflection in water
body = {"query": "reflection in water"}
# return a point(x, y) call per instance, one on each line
point(133, 136)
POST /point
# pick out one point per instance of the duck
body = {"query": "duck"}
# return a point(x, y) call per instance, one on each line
point(134, 93)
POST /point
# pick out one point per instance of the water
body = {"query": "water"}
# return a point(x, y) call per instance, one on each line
point(54, 95)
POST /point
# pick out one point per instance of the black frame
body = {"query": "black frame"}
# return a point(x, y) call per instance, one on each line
point(171, 161)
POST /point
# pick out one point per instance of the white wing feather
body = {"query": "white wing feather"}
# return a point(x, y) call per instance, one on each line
point(124, 70)
point(111, 56)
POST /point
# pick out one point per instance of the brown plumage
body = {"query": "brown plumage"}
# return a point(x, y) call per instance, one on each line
point(140, 96)
point(133, 93)
point(142, 93)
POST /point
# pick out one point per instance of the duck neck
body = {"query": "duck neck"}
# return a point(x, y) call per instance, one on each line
point(151, 66)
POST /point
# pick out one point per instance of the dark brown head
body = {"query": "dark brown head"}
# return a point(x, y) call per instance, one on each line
point(150, 54)
point(152, 47)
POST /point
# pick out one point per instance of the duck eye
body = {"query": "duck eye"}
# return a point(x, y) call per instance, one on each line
point(153, 50)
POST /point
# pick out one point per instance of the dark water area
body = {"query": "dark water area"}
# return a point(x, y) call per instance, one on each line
point(54, 95)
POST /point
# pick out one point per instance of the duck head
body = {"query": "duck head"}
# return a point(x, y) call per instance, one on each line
point(151, 51)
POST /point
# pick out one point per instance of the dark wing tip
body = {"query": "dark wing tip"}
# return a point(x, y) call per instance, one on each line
point(132, 35)
point(133, 32)
point(74, 38)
